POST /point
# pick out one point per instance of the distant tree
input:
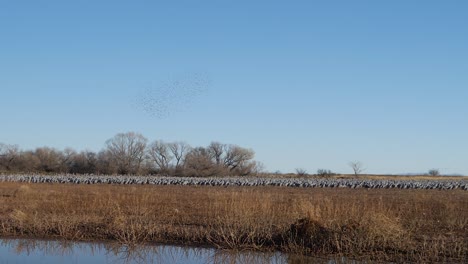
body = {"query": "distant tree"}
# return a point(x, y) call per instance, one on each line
point(219, 159)
point(28, 162)
point(84, 162)
point(433, 172)
point(50, 160)
point(357, 167)
point(325, 173)
point(301, 172)
point(236, 158)
point(160, 154)
point(216, 151)
point(258, 168)
point(247, 168)
point(127, 152)
point(90, 161)
point(105, 164)
point(179, 151)
point(9, 155)
point(198, 163)
point(67, 157)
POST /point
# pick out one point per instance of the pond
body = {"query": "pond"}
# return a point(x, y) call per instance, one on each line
point(18, 251)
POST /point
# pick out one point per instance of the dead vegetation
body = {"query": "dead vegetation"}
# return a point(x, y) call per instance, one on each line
point(383, 225)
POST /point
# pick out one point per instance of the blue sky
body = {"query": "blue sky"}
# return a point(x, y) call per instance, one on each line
point(310, 84)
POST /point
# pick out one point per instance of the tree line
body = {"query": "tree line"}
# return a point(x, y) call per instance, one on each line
point(131, 153)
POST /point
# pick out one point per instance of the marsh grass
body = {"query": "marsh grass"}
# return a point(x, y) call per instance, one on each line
point(382, 225)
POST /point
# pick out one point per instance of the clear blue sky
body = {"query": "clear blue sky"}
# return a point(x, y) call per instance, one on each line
point(310, 84)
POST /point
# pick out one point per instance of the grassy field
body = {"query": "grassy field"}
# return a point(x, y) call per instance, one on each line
point(372, 176)
point(383, 225)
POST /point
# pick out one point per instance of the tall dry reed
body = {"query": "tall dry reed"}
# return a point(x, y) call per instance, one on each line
point(386, 225)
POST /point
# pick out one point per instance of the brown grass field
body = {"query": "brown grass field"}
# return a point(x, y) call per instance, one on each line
point(380, 225)
point(421, 177)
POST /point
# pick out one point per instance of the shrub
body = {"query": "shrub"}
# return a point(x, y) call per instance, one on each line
point(325, 173)
point(301, 172)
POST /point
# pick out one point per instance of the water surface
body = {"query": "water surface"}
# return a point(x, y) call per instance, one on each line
point(19, 251)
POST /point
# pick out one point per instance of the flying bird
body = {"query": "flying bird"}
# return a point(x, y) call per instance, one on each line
point(172, 96)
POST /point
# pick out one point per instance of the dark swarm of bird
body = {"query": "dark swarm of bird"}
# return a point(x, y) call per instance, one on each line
point(173, 95)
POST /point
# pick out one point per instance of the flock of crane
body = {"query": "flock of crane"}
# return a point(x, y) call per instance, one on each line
point(242, 181)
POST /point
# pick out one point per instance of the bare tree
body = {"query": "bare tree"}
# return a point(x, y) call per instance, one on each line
point(301, 172)
point(433, 172)
point(84, 162)
point(105, 164)
point(50, 160)
point(28, 162)
point(160, 154)
point(91, 161)
point(8, 156)
point(220, 159)
point(324, 173)
point(216, 151)
point(258, 168)
point(198, 163)
point(127, 151)
point(357, 167)
point(237, 156)
point(179, 151)
point(67, 159)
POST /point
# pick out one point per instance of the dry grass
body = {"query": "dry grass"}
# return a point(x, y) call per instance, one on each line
point(397, 225)
point(364, 176)
point(410, 177)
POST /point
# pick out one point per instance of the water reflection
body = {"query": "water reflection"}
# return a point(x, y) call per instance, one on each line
point(43, 251)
